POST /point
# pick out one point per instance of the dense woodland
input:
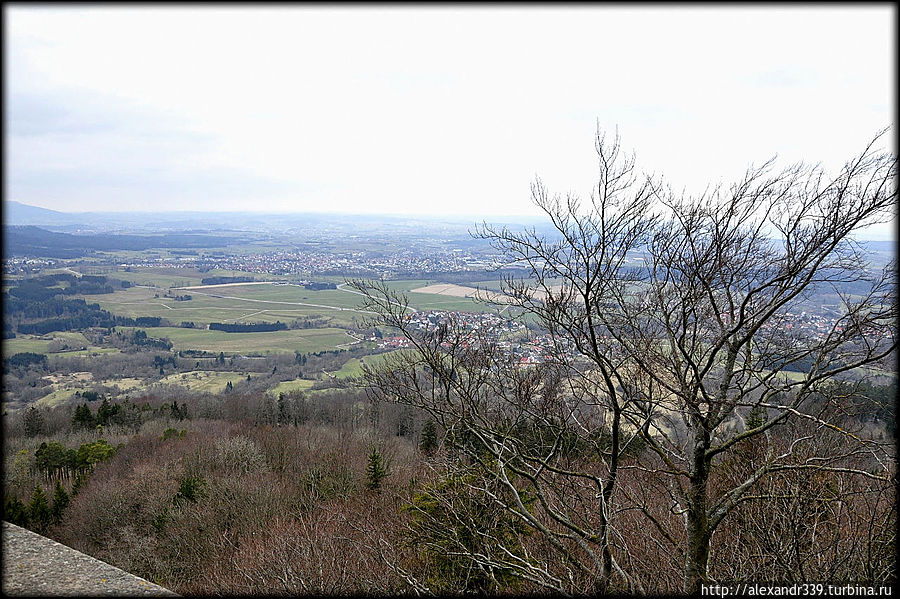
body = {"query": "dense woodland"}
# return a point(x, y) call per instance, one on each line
point(331, 493)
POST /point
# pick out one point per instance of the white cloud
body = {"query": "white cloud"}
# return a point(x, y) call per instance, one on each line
point(434, 109)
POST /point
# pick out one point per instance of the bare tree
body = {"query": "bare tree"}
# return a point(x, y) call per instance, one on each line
point(713, 328)
point(675, 321)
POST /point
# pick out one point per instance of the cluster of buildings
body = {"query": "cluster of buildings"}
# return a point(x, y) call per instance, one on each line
point(361, 263)
point(511, 336)
point(805, 325)
point(19, 265)
point(514, 338)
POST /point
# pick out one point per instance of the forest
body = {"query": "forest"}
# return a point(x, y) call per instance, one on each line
point(332, 493)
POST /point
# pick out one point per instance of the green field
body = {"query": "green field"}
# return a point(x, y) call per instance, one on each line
point(23, 343)
point(209, 381)
point(265, 303)
point(249, 303)
point(336, 308)
point(353, 367)
point(57, 397)
point(300, 340)
point(165, 277)
point(40, 344)
point(289, 386)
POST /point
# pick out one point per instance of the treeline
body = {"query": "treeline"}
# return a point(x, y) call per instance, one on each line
point(57, 314)
point(878, 402)
point(98, 318)
point(140, 339)
point(24, 360)
point(221, 280)
point(38, 306)
point(46, 286)
point(240, 327)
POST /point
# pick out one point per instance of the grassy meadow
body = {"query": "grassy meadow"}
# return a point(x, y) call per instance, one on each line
point(289, 341)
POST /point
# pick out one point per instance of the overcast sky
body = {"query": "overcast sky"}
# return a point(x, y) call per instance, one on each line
point(447, 110)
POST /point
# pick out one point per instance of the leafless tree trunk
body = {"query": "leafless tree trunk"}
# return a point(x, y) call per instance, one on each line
point(727, 273)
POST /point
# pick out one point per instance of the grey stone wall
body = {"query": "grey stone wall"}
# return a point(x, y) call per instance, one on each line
point(34, 565)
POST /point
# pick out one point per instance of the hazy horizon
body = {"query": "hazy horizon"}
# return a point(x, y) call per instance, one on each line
point(417, 111)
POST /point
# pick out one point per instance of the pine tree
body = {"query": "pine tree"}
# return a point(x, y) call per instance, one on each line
point(756, 417)
point(60, 502)
point(429, 440)
point(33, 422)
point(83, 417)
point(15, 511)
point(39, 510)
point(106, 411)
point(376, 470)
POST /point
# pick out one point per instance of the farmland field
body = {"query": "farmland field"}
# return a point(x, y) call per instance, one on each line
point(353, 367)
point(289, 386)
point(300, 340)
point(40, 344)
point(266, 303)
point(461, 291)
point(165, 277)
point(22, 343)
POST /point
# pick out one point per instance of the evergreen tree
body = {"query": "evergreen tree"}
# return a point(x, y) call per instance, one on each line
point(89, 454)
point(269, 415)
point(53, 458)
point(106, 411)
point(180, 412)
point(15, 511)
point(283, 416)
point(80, 480)
point(191, 488)
point(376, 470)
point(60, 502)
point(83, 417)
point(33, 422)
point(39, 510)
point(756, 417)
point(429, 441)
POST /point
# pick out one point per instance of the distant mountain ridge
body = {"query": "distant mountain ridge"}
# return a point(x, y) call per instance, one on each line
point(146, 223)
point(17, 213)
point(29, 240)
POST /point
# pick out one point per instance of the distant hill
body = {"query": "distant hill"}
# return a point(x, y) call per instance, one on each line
point(17, 213)
point(34, 241)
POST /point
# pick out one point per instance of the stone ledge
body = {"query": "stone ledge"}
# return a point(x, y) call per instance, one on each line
point(34, 565)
